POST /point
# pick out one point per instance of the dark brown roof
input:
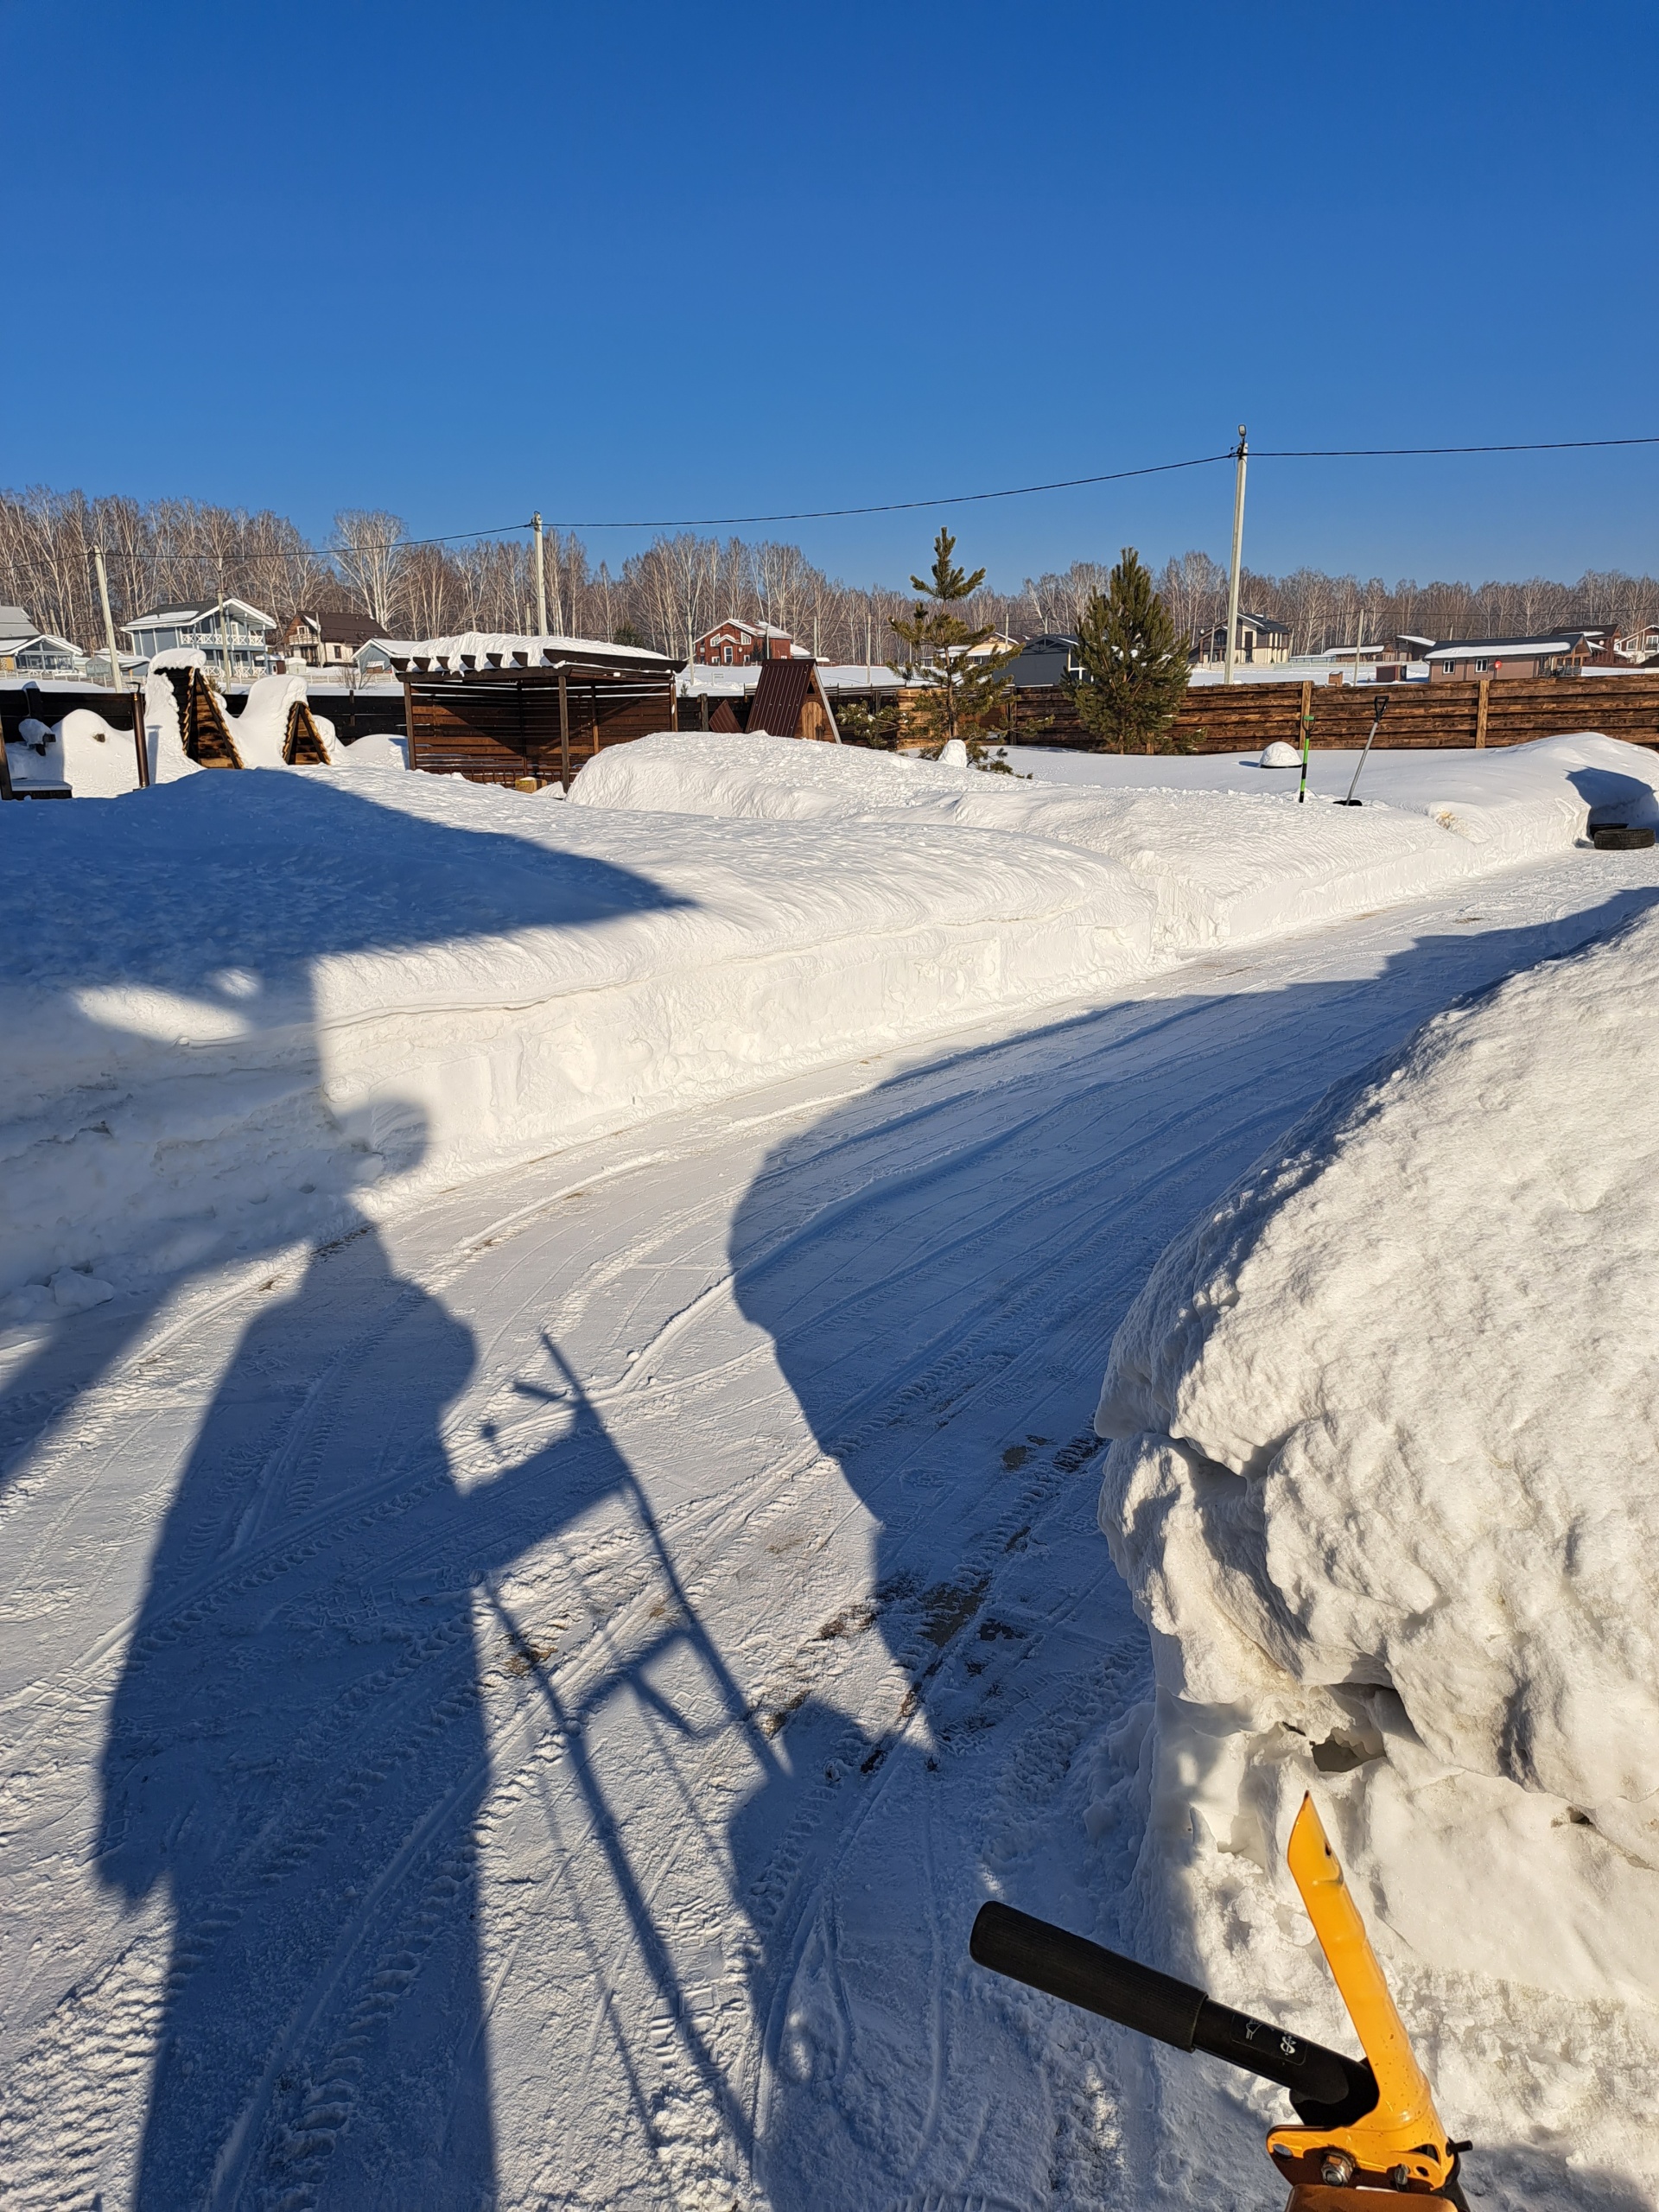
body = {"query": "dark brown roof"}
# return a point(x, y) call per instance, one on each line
point(783, 690)
point(341, 625)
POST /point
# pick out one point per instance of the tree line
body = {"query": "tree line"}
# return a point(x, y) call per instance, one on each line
point(166, 551)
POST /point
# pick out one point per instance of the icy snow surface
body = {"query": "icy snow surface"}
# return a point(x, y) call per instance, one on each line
point(516, 1700)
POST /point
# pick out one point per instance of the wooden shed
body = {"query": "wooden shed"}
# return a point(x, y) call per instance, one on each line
point(504, 720)
point(790, 700)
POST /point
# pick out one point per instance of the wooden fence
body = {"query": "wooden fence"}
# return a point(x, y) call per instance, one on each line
point(1485, 711)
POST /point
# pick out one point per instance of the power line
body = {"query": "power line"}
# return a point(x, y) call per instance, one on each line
point(1401, 452)
point(1114, 476)
point(905, 506)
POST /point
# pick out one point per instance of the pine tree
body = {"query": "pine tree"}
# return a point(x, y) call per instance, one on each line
point(964, 694)
point(1134, 662)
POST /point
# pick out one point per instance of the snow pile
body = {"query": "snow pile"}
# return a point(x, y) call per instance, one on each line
point(376, 750)
point(260, 731)
point(83, 750)
point(1223, 867)
point(1281, 755)
point(1384, 1483)
point(245, 995)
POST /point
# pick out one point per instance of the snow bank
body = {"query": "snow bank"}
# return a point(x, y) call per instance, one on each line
point(376, 750)
point(1384, 1483)
point(1223, 866)
point(245, 995)
point(83, 751)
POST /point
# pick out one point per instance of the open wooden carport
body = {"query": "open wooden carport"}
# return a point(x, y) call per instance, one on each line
point(510, 717)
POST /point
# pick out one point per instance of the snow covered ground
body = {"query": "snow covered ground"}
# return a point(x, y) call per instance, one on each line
point(517, 1700)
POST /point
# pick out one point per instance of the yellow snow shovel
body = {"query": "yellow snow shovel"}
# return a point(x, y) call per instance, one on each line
point(1365, 2126)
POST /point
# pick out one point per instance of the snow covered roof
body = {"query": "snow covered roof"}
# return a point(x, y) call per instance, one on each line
point(1559, 641)
point(16, 622)
point(26, 638)
point(500, 648)
point(186, 617)
point(749, 629)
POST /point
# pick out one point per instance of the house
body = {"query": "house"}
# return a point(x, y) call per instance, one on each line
point(1260, 641)
point(326, 637)
point(224, 629)
point(1563, 652)
point(790, 700)
point(1047, 659)
point(733, 644)
point(27, 650)
point(133, 668)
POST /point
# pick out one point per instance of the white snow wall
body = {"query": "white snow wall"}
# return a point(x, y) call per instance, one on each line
point(1384, 1483)
point(247, 995)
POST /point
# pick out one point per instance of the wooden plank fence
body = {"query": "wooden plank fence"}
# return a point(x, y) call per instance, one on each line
point(1485, 711)
point(494, 726)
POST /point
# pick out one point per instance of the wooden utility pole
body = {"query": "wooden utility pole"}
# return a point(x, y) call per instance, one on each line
point(1241, 456)
point(109, 619)
point(541, 580)
point(139, 746)
point(564, 735)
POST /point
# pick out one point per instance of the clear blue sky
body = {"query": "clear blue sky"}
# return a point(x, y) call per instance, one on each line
point(665, 261)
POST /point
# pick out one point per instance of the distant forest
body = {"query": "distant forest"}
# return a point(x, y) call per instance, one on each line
point(168, 550)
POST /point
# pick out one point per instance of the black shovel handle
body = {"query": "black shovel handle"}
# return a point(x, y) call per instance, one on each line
point(1326, 2089)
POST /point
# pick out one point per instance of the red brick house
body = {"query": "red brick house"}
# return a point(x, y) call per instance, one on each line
point(733, 644)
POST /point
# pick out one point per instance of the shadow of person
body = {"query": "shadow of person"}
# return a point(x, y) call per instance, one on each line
point(168, 1108)
point(296, 1757)
point(940, 1267)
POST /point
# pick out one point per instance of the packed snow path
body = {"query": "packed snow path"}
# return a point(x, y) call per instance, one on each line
point(519, 1707)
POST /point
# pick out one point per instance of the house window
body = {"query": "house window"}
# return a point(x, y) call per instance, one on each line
point(1448, 668)
point(726, 656)
point(1481, 667)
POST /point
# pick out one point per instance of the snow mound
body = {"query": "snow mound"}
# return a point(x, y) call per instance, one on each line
point(82, 750)
point(376, 750)
point(953, 753)
point(246, 996)
point(1281, 755)
point(1384, 1483)
point(1222, 866)
point(260, 731)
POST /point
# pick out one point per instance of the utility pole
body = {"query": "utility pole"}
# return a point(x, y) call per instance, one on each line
point(541, 580)
point(109, 620)
point(224, 632)
point(1242, 455)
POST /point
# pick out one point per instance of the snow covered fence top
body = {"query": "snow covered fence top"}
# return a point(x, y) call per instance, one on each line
point(1223, 866)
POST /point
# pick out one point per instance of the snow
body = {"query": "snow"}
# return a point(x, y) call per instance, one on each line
point(1384, 1481)
point(477, 645)
point(519, 1661)
point(1281, 755)
point(1225, 856)
point(247, 995)
point(376, 749)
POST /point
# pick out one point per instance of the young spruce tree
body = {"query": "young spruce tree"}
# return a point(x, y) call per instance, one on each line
point(1134, 662)
point(964, 694)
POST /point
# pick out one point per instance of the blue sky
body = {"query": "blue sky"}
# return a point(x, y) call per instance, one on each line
point(671, 262)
